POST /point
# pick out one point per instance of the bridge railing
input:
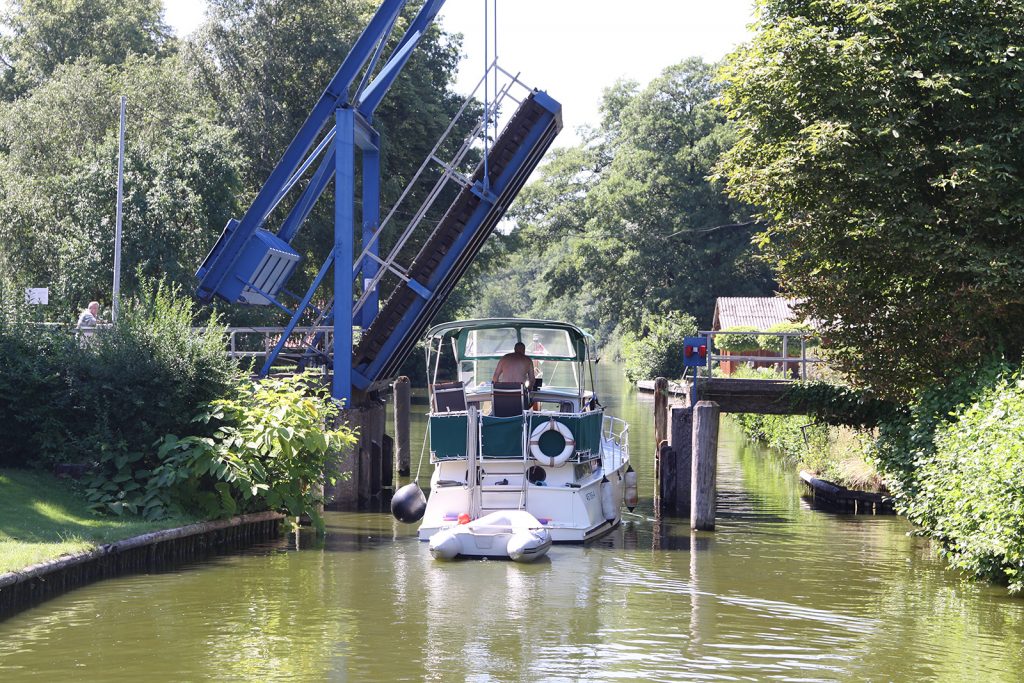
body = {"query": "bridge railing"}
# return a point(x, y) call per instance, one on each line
point(796, 358)
point(312, 342)
point(258, 342)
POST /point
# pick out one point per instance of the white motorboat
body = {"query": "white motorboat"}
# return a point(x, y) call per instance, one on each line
point(513, 534)
point(549, 450)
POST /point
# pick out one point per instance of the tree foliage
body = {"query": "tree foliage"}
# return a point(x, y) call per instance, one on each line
point(882, 141)
point(627, 223)
point(658, 350)
point(58, 170)
point(41, 35)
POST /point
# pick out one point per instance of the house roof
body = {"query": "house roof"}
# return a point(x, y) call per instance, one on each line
point(758, 312)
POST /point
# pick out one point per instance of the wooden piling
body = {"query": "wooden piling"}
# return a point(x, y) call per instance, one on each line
point(387, 465)
point(403, 407)
point(665, 479)
point(662, 453)
point(660, 412)
point(674, 467)
point(705, 466)
point(359, 480)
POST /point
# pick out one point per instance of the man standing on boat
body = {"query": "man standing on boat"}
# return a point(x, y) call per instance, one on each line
point(515, 367)
point(537, 349)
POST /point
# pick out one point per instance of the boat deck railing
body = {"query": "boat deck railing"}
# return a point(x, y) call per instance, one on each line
point(615, 431)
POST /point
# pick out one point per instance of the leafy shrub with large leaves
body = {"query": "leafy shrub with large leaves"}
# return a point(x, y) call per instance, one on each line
point(271, 446)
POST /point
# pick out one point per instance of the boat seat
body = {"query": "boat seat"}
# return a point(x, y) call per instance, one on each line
point(508, 399)
point(448, 397)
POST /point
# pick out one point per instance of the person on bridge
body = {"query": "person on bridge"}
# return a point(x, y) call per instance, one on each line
point(90, 316)
point(515, 367)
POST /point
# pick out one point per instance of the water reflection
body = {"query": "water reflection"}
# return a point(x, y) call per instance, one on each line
point(776, 592)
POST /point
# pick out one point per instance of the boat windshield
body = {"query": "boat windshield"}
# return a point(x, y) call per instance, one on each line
point(496, 342)
point(472, 349)
point(554, 373)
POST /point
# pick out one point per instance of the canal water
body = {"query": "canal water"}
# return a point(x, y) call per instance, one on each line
point(777, 592)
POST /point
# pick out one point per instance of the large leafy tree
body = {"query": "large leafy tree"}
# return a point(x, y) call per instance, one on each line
point(58, 162)
point(37, 36)
point(628, 223)
point(883, 140)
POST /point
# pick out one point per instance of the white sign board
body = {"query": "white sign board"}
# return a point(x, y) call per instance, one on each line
point(37, 295)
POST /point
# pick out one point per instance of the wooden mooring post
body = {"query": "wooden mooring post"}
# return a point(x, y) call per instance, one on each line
point(703, 489)
point(660, 433)
point(403, 407)
point(360, 480)
point(660, 412)
point(686, 466)
point(674, 463)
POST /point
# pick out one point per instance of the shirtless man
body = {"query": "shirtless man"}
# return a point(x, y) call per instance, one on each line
point(515, 367)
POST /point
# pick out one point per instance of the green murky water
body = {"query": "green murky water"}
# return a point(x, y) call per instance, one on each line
point(778, 592)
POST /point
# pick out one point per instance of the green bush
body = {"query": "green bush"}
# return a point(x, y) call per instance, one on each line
point(962, 474)
point(143, 378)
point(774, 344)
point(737, 342)
point(34, 399)
point(110, 396)
point(908, 436)
point(272, 443)
point(659, 352)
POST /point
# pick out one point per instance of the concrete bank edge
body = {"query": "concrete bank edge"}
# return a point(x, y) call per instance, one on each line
point(42, 569)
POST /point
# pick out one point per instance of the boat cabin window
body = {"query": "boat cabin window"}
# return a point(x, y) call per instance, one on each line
point(493, 342)
point(541, 342)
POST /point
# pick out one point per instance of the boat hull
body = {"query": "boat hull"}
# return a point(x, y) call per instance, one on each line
point(571, 510)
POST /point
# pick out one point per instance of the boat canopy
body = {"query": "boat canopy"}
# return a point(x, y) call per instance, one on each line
point(492, 338)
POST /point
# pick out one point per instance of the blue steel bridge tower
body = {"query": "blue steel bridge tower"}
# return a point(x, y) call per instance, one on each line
point(250, 264)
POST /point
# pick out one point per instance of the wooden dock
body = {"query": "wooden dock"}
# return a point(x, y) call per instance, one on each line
point(764, 396)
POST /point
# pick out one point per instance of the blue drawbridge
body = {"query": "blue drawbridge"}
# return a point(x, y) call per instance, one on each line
point(431, 241)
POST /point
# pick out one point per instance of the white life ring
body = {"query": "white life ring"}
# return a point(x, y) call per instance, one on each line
point(567, 451)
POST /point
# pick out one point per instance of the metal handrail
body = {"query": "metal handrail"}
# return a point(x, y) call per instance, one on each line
point(804, 360)
point(389, 264)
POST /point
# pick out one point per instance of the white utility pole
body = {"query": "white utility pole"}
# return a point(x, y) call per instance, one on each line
point(117, 220)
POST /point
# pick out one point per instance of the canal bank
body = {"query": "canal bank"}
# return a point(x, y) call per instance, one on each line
point(778, 591)
point(151, 552)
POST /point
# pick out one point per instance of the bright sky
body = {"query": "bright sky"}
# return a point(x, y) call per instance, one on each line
point(574, 49)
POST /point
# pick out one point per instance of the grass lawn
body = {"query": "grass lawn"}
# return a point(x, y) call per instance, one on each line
point(43, 518)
